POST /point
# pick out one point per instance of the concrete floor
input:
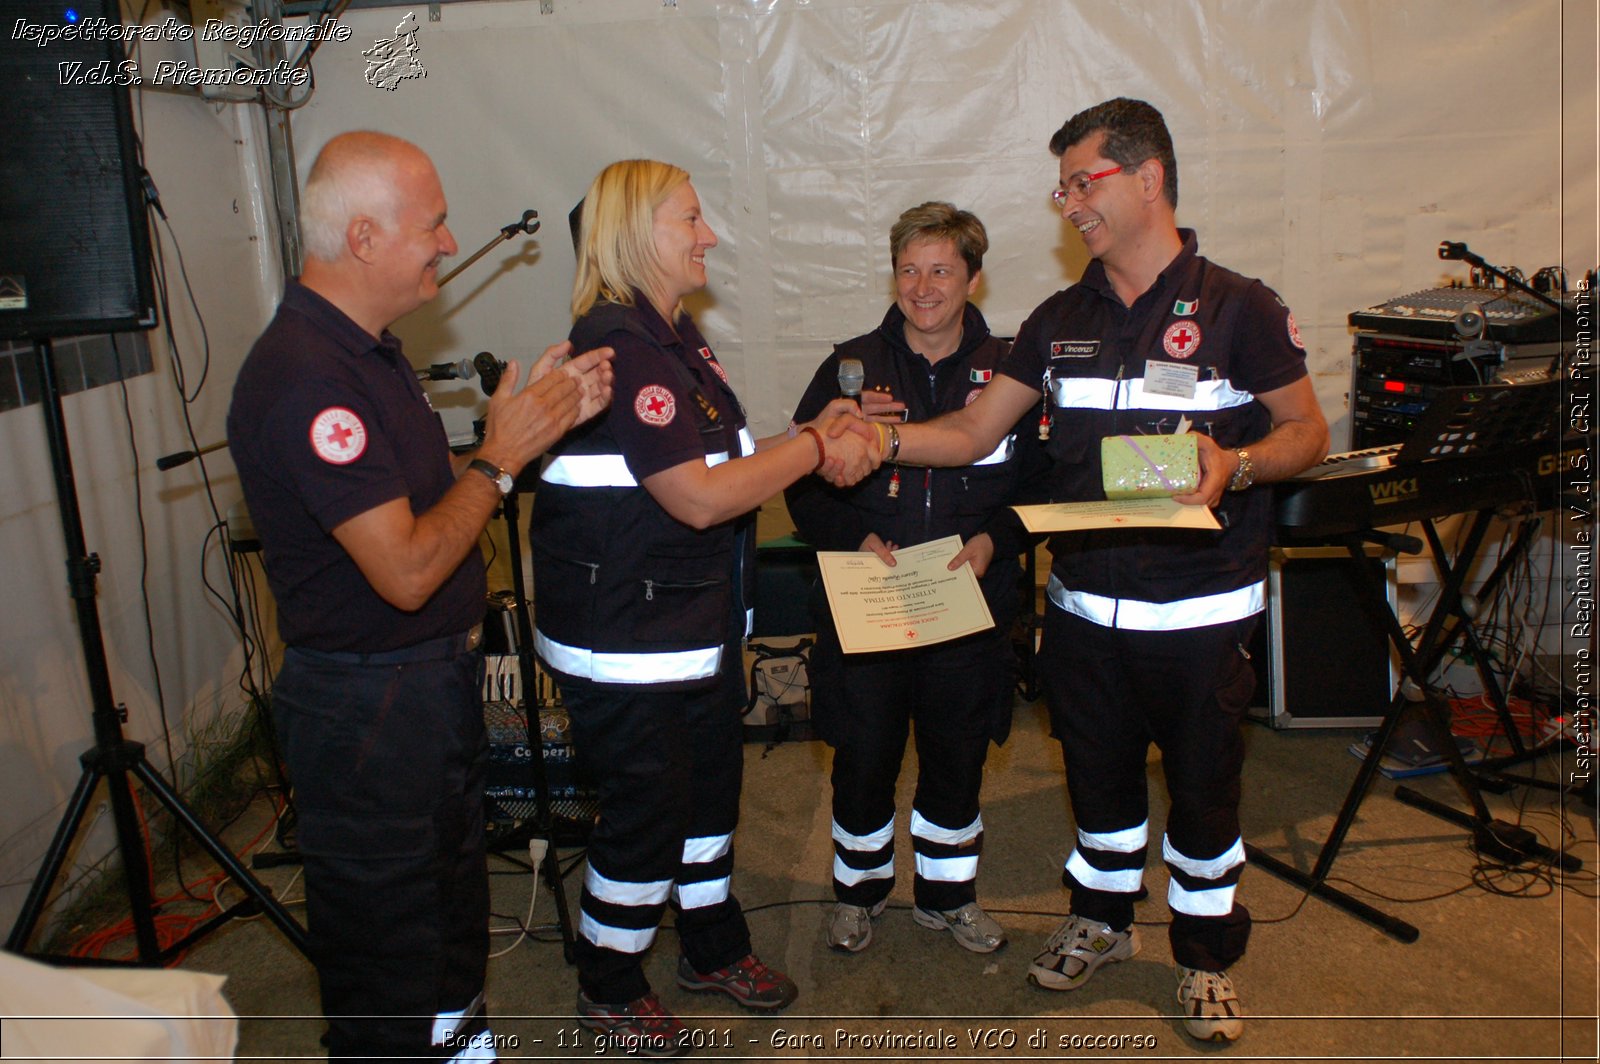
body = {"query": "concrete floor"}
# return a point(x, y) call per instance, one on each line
point(1502, 976)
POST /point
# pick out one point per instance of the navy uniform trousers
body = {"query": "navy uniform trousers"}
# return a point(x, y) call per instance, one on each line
point(387, 753)
point(669, 766)
point(1111, 693)
point(951, 691)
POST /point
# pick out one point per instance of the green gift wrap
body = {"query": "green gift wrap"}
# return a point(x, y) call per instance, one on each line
point(1133, 467)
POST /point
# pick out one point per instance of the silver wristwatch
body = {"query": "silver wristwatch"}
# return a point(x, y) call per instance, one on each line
point(1245, 474)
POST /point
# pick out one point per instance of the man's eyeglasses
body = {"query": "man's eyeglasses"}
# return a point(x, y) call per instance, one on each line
point(1078, 186)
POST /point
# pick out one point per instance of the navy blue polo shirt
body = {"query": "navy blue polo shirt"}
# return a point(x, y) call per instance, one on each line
point(655, 421)
point(1238, 340)
point(326, 424)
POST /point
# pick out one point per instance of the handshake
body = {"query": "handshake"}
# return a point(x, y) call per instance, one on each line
point(853, 442)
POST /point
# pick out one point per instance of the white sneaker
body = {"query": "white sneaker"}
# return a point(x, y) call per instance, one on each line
point(1076, 949)
point(973, 928)
point(851, 929)
point(1211, 1009)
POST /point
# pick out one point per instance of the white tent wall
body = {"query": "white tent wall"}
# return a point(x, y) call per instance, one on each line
point(1326, 146)
point(203, 159)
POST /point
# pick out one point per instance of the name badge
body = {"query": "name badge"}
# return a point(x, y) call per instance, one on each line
point(1171, 378)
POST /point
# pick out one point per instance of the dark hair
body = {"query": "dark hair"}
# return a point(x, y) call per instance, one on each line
point(1134, 131)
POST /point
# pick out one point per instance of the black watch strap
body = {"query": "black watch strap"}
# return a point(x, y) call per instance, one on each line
point(501, 479)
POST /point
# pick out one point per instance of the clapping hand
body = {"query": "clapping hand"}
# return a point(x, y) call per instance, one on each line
point(590, 371)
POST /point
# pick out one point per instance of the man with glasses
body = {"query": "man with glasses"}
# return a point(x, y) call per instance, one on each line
point(1145, 630)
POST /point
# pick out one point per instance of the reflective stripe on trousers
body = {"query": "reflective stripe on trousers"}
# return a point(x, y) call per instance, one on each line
point(1140, 616)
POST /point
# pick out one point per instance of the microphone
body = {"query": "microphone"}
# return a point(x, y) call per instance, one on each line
point(173, 461)
point(489, 371)
point(448, 371)
point(851, 375)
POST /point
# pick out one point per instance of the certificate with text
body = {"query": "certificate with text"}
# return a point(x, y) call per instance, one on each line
point(1158, 512)
point(917, 602)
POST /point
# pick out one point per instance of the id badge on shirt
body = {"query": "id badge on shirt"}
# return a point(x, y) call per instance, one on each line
point(1176, 379)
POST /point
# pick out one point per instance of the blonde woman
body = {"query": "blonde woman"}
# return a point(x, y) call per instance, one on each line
point(642, 539)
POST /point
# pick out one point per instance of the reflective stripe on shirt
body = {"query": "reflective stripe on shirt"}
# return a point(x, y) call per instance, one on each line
point(622, 667)
point(1097, 393)
point(1002, 453)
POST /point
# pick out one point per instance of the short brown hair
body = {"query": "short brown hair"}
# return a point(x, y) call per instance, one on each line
point(937, 220)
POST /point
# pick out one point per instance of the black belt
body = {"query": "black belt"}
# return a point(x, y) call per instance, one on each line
point(442, 649)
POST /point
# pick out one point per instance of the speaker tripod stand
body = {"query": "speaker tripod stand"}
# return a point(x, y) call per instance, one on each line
point(114, 759)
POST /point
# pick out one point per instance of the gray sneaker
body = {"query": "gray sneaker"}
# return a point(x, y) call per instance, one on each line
point(973, 928)
point(1211, 1009)
point(1076, 949)
point(851, 929)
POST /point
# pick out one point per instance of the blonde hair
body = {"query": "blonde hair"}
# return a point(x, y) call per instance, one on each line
point(616, 232)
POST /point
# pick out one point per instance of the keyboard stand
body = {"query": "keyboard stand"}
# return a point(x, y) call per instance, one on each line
point(1488, 773)
point(1445, 625)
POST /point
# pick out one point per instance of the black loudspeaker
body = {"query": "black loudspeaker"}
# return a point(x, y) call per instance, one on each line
point(1321, 660)
point(74, 237)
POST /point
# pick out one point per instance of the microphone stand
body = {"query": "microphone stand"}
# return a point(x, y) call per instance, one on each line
point(528, 223)
point(173, 461)
point(1454, 250)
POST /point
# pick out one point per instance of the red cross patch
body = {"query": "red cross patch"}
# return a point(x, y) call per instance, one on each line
point(654, 405)
point(1294, 333)
point(705, 353)
point(338, 436)
point(1181, 339)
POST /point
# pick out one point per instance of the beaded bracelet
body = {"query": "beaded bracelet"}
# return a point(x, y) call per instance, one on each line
point(822, 452)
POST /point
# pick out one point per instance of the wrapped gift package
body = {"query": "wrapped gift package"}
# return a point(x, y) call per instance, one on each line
point(1133, 467)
